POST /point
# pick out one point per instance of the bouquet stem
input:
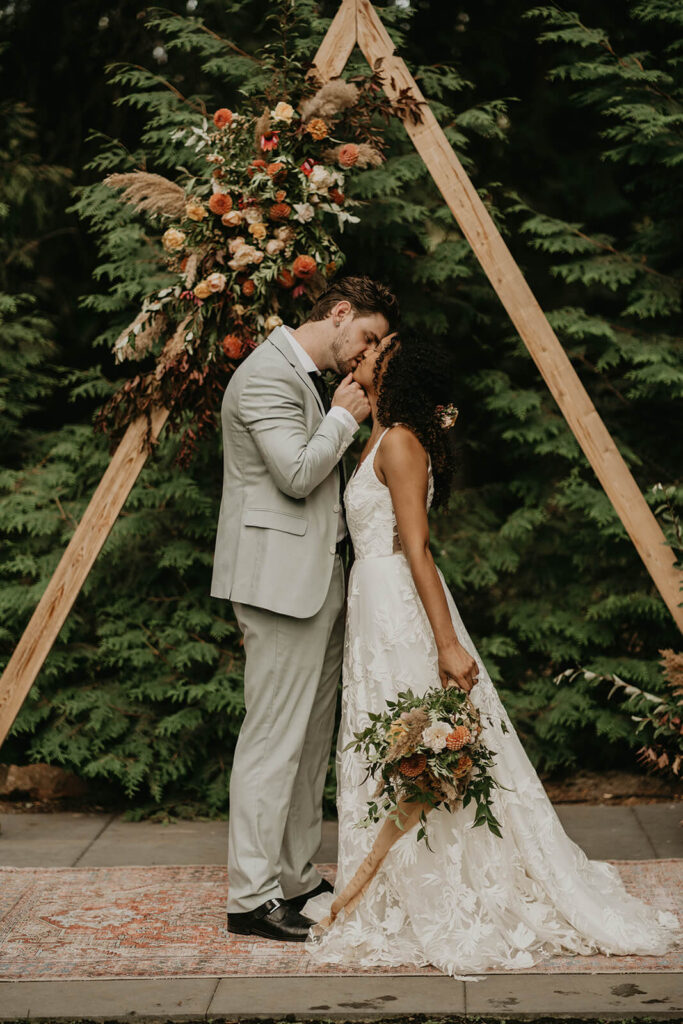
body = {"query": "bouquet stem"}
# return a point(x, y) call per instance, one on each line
point(405, 817)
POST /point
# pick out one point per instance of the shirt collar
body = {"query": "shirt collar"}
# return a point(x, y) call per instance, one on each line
point(300, 352)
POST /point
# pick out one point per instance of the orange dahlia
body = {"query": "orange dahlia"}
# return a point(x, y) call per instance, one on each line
point(348, 154)
point(413, 766)
point(233, 346)
point(220, 203)
point(222, 117)
point(280, 211)
point(304, 267)
point(317, 128)
point(458, 738)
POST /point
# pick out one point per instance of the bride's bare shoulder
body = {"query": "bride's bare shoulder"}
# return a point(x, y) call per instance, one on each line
point(401, 444)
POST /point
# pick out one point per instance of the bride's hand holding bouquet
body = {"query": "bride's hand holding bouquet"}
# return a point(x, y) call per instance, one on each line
point(456, 666)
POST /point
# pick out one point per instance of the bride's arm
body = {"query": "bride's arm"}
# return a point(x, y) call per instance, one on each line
point(401, 463)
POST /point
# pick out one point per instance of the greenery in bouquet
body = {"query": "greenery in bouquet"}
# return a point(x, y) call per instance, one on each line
point(249, 243)
point(428, 750)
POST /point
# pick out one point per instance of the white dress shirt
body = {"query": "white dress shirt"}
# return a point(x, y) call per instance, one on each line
point(343, 415)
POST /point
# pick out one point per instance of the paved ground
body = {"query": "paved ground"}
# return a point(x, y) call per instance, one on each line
point(634, 832)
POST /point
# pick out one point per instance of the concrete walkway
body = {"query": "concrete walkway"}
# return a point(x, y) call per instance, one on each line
point(637, 832)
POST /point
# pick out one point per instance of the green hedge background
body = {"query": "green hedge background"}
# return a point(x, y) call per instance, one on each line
point(570, 124)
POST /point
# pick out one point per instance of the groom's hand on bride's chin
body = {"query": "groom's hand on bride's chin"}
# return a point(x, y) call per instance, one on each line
point(350, 396)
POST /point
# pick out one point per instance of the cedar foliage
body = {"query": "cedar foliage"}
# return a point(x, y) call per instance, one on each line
point(143, 688)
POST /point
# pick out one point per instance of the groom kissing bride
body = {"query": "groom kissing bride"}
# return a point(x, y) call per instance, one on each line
point(279, 547)
point(472, 900)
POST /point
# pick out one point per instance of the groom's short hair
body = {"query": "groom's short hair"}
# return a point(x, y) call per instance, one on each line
point(364, 295)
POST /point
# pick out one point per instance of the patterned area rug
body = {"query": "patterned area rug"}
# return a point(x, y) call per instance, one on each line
point(81, 924)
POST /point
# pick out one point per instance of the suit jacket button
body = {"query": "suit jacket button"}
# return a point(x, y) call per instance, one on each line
point(333, 549)
point(337, 508)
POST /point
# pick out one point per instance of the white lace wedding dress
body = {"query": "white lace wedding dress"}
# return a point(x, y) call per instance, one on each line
point(476, 901)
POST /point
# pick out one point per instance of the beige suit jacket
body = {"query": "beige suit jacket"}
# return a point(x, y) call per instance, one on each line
point(277, 525)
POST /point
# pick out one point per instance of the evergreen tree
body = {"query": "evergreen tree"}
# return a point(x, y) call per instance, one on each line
point(143, 688)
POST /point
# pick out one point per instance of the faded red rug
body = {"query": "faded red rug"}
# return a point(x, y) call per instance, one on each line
point(81, 924)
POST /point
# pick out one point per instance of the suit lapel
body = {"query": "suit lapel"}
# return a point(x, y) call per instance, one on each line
point(279, 339)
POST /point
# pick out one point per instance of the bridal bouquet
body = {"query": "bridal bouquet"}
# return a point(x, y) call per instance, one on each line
point(427, 751)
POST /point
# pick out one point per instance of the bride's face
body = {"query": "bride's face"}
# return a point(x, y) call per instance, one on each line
point(364, 373)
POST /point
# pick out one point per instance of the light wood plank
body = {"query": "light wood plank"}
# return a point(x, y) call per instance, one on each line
point(339, 41)
point(527, 316)
point(73, 568)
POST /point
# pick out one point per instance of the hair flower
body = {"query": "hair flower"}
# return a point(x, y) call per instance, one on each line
point(447, 414)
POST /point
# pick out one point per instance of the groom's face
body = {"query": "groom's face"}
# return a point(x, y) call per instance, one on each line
point(354, 336)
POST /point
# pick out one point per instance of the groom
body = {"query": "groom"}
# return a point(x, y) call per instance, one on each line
point(280, 530)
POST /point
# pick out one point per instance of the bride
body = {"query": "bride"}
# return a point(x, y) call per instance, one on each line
point(475, 901)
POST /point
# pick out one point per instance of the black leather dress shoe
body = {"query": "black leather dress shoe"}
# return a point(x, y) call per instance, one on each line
point(298, 902)
point(274, 919)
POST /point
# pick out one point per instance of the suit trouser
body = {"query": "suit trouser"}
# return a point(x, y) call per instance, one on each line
point(278, 774)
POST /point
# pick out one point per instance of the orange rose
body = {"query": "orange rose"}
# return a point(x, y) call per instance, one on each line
point(336, 196)
point(222, 117)
point(220, 203)
point(317, 128)
point(248, 288)
point(280, 195)
point(280, 211)
point(331, 269)
point(304, 267)
point(285, 279)
point(233, 346)
point(348, 154)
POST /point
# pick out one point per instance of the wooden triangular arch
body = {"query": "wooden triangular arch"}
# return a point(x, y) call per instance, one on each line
point(357, 22)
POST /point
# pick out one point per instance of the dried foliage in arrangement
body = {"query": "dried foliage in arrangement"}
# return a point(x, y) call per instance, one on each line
point(151, 193)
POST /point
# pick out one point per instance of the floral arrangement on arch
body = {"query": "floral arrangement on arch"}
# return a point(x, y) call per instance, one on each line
point(251, 243)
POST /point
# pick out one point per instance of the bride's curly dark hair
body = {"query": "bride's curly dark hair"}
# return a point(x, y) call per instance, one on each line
point(412, 377)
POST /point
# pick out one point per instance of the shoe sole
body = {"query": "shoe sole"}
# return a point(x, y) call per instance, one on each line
point(265, 935)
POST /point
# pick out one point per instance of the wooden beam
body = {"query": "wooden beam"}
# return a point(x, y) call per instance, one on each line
point(74, 566)
point(339, 41)
point(527, 316)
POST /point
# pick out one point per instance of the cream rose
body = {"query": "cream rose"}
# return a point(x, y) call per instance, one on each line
point(303, 212)
point(253, 215)
point(195, 210)
point(274, 246)
point(245, 255)
point(434, 736)
point(282, 112)
point(172, 239)
point(286, 233)
point(258, 231)
point(232, 219)
point(216, 282)
point(272, 322)
point(320, 179)
point(235, 244)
